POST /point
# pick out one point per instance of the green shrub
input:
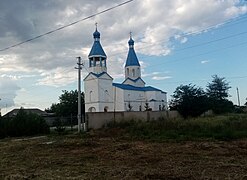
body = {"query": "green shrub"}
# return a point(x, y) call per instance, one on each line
point(23, 124)
point(218, 127)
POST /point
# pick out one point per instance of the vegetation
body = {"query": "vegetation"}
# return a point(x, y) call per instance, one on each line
point(68, 104)
point(192, 101)
point(23, 124)
point(189, 100)
point(220, 127)
point(217, 92)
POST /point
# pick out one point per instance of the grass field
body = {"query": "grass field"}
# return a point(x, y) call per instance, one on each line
point(112, 154)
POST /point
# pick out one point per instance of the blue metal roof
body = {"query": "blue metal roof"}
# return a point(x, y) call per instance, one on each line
point(96, 34)
point(134, 88)
point(96, 49)
point(131, 58)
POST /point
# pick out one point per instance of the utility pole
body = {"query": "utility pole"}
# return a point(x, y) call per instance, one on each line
point(238, 97)
point(79, 93)
point(115, 94)
point(0, 109)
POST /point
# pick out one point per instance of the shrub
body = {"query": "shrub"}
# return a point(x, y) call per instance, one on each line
point(23, 124)
point(218, 127)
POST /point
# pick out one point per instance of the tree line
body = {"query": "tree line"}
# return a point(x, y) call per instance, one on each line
point(191, 100)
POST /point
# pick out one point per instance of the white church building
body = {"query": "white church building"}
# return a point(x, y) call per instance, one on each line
point(102, 95)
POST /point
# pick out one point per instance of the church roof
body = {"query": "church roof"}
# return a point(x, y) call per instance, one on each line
point(96, 49)
point(134, 80)
point(131, 58)
point(135, 88)
point(98, 75)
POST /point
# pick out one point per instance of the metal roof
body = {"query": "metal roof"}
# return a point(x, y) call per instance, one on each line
point(135, 88)
point(97, 49)
point(131, 58)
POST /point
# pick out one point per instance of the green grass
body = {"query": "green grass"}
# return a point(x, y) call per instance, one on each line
point(227, 127)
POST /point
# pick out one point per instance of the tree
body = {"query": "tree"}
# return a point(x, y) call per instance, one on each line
point(189, 100)
point(146, 106)
point(217, 92)
point(218, 88)
point(68, 104)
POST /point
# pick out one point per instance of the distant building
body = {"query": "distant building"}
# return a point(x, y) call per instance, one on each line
point(37, 111)
point(102, 95)
point(48, 117)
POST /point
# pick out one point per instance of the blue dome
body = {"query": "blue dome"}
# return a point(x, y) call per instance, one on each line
point(96, 34)
point(131, 42)
point(132, 59)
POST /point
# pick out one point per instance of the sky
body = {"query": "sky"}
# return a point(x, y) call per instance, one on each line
point(177, 42)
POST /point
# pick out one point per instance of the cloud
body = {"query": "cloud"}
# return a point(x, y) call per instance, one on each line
point(205, 62)
point(52, 58)
point(8, 92)
point(161, 77)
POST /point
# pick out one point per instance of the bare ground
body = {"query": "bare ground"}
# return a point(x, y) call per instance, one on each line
point(100, 156)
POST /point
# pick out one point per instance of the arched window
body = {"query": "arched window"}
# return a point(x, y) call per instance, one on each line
point(90, 96)
point(106, 95)
point(133, 72)
point(128, 72)
point(92, 109)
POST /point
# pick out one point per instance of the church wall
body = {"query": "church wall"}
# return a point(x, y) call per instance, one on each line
point(151, 95)
point(91, 90)
point(158, 96)
point(98, 94)
point(119, 99)
point(135, 99)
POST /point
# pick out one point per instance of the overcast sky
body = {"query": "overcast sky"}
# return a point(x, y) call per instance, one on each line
point(177, 42)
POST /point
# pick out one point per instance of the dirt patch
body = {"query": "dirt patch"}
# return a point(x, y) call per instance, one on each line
point(106, 157)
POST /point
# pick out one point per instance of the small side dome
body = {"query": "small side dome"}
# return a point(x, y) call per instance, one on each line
point(96, 34)
point(131, 42)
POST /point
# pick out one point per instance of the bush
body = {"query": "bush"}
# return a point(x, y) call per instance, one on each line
point(23, 124)
point(218, 127)
point(59, 124)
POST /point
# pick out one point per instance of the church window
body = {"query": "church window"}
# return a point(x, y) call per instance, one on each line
point(133, 72)
point(97, 63)
point(128, 71)
point(90, 96)
point(106, 96)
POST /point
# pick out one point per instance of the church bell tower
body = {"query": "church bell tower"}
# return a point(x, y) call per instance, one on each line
point(97, 57)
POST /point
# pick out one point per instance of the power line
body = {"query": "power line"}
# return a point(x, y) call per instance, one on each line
point(65, 26)
point(200, 30)
point(227, 23)
point(200, 80)
point(198, 55)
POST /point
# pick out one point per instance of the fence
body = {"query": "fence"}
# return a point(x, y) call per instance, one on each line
point(96, 120)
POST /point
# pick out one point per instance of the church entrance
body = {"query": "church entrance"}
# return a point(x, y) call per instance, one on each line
point(106, 109)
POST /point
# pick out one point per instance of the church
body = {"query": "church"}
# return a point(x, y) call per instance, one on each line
point(102, 95)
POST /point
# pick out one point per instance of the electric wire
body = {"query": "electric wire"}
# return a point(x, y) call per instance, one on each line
point(65, 26)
